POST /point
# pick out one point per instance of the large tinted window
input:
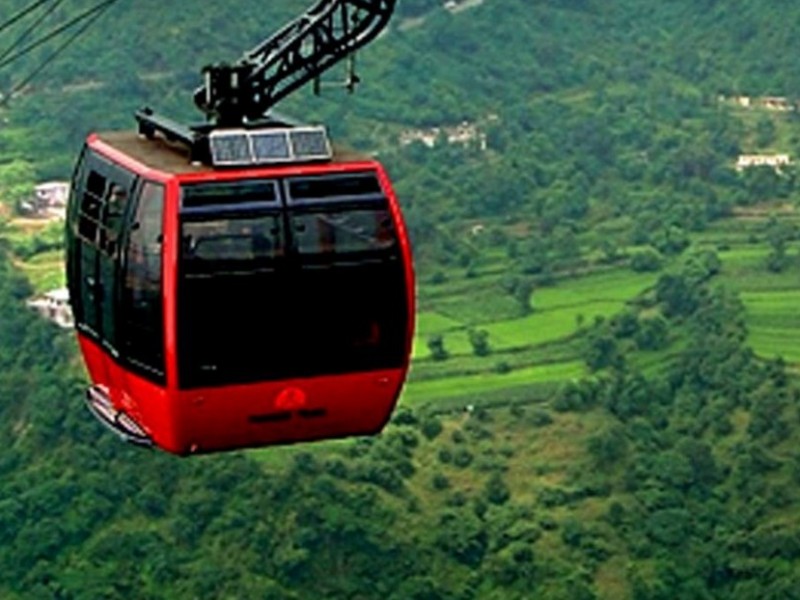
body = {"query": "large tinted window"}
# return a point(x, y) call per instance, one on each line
point(142, 293)
point(114, 262)
point(305, 286)
point(98, 206)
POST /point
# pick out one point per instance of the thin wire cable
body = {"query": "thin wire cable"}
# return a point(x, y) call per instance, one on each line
point(28, 30)
point(22, 14)
point(91, 16)
point(100, 7)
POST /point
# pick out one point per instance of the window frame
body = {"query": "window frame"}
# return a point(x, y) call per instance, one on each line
point(98, 232)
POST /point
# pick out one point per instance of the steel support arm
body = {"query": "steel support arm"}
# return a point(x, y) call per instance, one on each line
point(327, 33)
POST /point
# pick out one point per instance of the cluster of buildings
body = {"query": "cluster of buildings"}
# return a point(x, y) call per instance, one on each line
point(54, 306)
point(769, 103)
point(49, 201)
point(773, 103)
point(465, 133)
point(776, 161)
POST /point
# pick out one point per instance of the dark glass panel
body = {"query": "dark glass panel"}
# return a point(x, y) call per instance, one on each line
point(142, 292)
point(343, 232)
point(214, 244)
point(259, 302)
point(337, 186)
point(234, 194)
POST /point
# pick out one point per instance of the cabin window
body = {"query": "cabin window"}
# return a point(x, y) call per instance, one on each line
point(91, 204)
point(250, 240)
point(330, 187)
point(97, 211)
point(313, 284)
point(142, 288)
point(229, 195)
point(114, 263)
point(343, 232)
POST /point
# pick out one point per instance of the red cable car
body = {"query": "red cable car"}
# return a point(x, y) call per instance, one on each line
point(238, 284)
point(220, 308)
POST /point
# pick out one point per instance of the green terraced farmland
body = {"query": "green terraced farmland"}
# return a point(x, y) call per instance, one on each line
point(556, 314)
point(45, 271)
point(774, 323)
point(436, 389)
point(771, 299)
point(547, 325)
point(618, 284)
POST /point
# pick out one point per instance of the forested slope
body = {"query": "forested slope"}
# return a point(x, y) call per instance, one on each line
point(601, 239)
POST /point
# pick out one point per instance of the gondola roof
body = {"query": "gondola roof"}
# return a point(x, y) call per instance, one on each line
point(170, 157)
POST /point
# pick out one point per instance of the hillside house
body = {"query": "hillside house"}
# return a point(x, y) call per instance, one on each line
point(777, 103)
point(464, 134)
point(54, 306)
point(776, 161)
point(48, 201)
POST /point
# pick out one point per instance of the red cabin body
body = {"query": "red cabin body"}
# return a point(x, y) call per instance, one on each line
point(240, 307)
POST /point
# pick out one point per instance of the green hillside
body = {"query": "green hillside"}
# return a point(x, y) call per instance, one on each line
point(603, 399)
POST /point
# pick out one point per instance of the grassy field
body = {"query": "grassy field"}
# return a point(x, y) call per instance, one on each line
point(530, 355)
point(425, 391)
point(558, 312)
point(774, 322)
point(45, 271)
point(771, 300)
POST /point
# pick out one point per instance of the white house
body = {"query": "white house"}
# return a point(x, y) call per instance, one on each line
point(463, 134)
point(49, 200)
point(776, 161)
point(54, 306)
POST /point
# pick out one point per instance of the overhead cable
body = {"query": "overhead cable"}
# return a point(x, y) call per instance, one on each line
point(30, 29)
point(21, 14)
point(89, 16)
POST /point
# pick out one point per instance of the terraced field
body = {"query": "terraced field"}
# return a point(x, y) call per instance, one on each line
point(467, 385)
point(558, 312)
point(528, 350)
point(772, 300)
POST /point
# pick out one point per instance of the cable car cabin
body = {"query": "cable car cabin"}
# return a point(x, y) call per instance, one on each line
point(221, 308)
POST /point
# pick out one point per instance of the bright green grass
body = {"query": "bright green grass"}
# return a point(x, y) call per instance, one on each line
point(540, 327)
point(455, 342)
point(563, 350)
point(774, 323)
point(557, 311)
point(771, 300)
point(744, 256)
point(772, 343)
point(744, 270)
point(432, 322)
point(478, 305)
point(547, 325)
point(423, 391)
point(616, 284)
point(45, 271)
